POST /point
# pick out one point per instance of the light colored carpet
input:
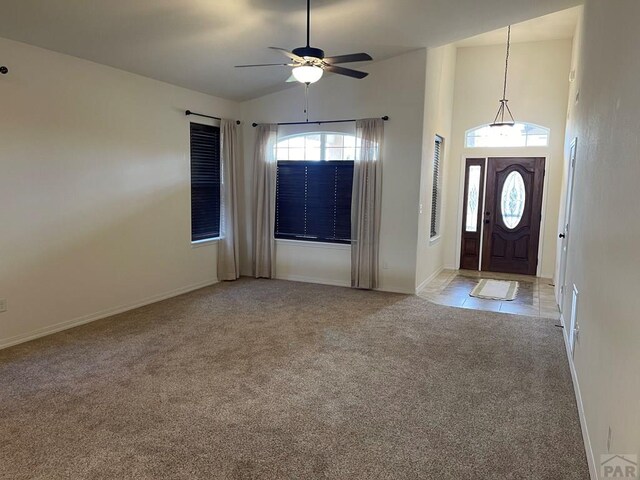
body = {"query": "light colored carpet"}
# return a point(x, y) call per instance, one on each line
point(495, 289)
point(265, 379)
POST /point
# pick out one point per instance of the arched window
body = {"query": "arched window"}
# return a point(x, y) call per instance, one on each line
point(313, 187)
point(519, 135)
point(316, 147)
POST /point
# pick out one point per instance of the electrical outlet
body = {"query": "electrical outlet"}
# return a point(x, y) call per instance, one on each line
point(3, 305)
point(609, 441)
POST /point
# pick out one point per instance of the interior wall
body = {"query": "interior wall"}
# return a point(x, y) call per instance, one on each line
point(603, 260)
point(95, 191)
point(438, 116)
point(395, 88)
point(538, 93)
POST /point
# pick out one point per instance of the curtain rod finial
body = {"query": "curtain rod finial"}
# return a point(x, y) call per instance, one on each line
point(188, 112)
point(385, 118)
point(254, 124)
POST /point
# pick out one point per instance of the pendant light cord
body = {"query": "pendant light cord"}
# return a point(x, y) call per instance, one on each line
point(504, 109)
point(506, 64)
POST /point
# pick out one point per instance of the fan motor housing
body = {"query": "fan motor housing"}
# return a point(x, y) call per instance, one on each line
point(309, 52)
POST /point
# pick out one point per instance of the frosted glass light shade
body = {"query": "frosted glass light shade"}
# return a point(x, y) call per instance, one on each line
point(307, 73)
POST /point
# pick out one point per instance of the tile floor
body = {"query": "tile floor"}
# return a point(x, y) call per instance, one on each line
point(535, 295)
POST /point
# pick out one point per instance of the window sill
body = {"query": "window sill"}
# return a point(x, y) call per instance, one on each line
point(205, 242)
point(311, 244)
point(434, 240)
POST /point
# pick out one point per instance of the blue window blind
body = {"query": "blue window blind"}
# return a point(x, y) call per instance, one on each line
point(205, 182)
point(313, 200)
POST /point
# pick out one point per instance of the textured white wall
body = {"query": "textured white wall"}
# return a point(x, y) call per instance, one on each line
point(538, 92)
point(94, 189)
point(438, 116)
point(395, 88)
point(604, 262)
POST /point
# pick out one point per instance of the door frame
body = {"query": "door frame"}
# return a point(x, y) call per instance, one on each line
point(487, 153)
point(565, 227)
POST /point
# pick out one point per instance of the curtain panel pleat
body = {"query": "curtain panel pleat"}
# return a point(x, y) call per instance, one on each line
point(228, 249)
point(366, 203)
point(264, 202)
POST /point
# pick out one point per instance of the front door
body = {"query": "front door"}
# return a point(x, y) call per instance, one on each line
point(513, 211)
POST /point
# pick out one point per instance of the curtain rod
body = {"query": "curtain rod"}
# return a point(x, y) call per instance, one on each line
point(385, 118)
point(189, 112)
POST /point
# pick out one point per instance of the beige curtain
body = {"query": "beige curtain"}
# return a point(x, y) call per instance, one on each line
point(366, 203)
point(228, 250)
point(264, 175)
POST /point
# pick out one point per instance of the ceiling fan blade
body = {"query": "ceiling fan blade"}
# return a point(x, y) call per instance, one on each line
point(291, 79)
point(345, 71)
point(352, 57)
point(292, 56)
point(266, 65)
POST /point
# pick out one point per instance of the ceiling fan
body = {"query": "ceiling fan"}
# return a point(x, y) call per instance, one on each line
point(309, 63)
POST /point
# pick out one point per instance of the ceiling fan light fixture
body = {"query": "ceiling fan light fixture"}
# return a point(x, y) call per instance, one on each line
point(307, 73)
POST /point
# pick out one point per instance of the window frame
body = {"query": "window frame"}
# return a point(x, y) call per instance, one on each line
point(213, 235)
point(323, 160)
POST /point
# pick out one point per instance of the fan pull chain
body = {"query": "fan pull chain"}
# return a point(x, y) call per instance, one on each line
point(306, 101)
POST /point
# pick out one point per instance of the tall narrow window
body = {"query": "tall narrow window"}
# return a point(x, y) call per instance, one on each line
point(205, 182)
point(435, 190)
point(473, 198)
point(313, 190)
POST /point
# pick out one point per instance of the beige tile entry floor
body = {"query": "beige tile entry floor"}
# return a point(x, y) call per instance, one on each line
point(535, 295)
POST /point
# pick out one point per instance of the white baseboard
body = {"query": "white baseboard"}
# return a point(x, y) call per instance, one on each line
point(58, 327)
point(593, 469)
point(429, 279)
point(321, 281)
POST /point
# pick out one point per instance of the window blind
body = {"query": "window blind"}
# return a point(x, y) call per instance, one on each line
point(313, 200)
point(435, 191)
point(205, 182)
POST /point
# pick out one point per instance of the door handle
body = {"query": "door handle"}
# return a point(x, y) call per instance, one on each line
point(562, 235)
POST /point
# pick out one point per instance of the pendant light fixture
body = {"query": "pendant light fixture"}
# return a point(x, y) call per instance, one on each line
point(504, 117)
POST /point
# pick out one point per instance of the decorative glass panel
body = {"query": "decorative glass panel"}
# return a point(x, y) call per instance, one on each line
point(519, 135)
point(473, 198)
point(512, 200)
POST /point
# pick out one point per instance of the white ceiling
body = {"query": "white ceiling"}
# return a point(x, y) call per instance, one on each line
point(555, 26)
point(196, 43)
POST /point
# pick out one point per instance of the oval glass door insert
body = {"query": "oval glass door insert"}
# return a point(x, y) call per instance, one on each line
point(512, 200)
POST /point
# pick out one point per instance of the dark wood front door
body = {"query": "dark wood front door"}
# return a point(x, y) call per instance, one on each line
point(512, 215)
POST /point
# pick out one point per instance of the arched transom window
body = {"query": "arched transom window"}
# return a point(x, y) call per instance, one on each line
point(519, 135)
point(317, 147)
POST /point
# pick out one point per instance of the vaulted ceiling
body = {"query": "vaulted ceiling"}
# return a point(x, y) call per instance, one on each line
point(196, 43)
